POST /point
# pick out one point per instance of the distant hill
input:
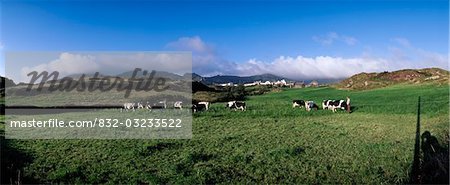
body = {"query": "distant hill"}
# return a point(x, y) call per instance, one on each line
point(363, 81)
point(158, 74)
point(88, 75)
point(6, 82)
point(195, 77)
point(219, 79)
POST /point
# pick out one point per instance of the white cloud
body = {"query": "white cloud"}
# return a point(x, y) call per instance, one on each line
point(207, 62)
point(406, 55)
point(193, 44)
point(205, 59)
point(328, 67)
point(332, 37)
point(402, 42)
point(349, 40)
point(111, 63)
point(66, 64)
point(327, 39)
point(433, 59)
point(321, 67)
point(115, 63)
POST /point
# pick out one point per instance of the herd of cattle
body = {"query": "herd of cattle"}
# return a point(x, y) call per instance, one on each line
point(333, 105)
point(195, 107)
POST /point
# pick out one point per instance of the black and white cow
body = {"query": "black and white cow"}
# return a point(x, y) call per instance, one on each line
point(339, 104)
point(139, 105)
point(229, 104)
point(178, 105)
point(158, 105)
point(128, 106)
point(311, 105)
point(148, 106)
point(196, 107)
point(205, 103)
point(236, 105)
point(327, 104)
point(298, 103)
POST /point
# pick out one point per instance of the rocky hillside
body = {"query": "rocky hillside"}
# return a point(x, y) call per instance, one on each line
point(363, 81)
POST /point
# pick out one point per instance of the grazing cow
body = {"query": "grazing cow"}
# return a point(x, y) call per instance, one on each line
point(178, 105)
point(205, 103)
point(148, 106)
point(128, 106)
point(309, 105)
point(236, 105)
point(159, 105)
point(327, 104)
point(139, 105)
point(196, 107)
point(230, 104)
point(240, 105)
point(298, 103)
point(163, 103)
point(339, 104)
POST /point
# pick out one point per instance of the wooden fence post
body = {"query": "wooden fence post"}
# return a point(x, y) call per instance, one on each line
point(416, 171)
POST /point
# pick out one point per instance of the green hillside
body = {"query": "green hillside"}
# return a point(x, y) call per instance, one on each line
point(269, 143)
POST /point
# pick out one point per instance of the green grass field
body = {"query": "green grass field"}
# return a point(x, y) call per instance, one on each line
point(268, 143)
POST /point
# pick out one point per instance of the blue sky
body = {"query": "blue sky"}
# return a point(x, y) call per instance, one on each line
point(307, 38)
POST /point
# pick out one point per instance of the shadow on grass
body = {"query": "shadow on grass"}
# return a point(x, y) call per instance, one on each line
point(434, 166)
point(435, 161)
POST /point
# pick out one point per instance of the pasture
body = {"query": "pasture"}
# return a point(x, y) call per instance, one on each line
point(270, 143)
